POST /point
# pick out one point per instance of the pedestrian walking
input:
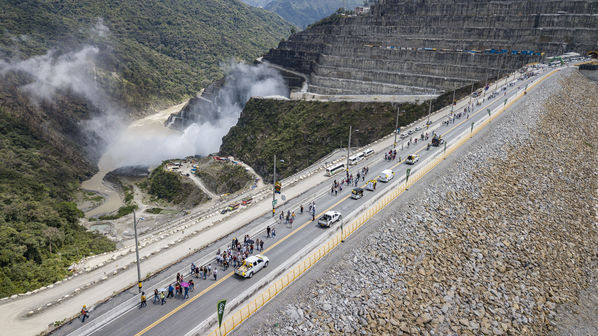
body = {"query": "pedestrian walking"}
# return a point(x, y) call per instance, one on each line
point(143, 300)
point(170, 291)
point(273, 232)
point(156, 296)
point(215, 274)
point(186, 295)
point(261, 245)
point(268, 231)
point(301, 209)
point(162, 298)
point(191, 285)
point(84, 313)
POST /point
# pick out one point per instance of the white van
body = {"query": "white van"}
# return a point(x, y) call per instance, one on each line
point(368, 152)
point(353, 160)
point(386, 175)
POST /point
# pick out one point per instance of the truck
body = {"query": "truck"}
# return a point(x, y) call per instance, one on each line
point(252, 265)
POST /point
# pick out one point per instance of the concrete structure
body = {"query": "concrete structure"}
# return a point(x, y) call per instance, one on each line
point(409, 47)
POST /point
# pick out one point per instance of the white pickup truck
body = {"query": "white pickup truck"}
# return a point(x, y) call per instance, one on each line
point(252, 265)
point(329, 218)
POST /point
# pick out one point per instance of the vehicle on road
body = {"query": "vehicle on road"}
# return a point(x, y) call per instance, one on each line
point(371, 186)
point(437, 140)
point(252, 265)
point(353, 160)
point(368, 152)
point(246, 200)
point(412, 159)
point(357, 193)
point(329, 218)
point(335, 169)
point(230, 207)
point(417, 129)
point(386, 175)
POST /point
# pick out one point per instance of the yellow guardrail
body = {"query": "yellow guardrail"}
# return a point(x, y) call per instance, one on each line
point(237, 317)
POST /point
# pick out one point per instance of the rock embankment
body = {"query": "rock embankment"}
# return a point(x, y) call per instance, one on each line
point(502, 240)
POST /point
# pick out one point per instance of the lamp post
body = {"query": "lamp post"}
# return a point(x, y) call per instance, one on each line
point(135, 221)
point(429, 112)
point(453, 101)
point(274, 188)
point(396, 127)
point(348, 150)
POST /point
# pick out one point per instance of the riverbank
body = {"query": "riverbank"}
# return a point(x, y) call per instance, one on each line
point(500, 239)
point(113, 198)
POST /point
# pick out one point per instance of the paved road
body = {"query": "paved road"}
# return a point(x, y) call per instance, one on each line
point(179, 317)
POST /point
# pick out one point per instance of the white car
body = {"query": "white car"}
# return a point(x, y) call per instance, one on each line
point(386, 175)
point(417, 129)
point(252, 265)
point(329, 218)
point(412, 159)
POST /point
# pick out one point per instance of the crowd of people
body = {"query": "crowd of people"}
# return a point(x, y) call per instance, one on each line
point(350, 180)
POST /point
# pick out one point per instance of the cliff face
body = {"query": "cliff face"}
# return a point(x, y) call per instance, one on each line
point(383, 51)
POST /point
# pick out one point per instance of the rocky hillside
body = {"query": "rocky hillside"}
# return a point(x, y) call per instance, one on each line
point(415, 46)
point(499, 241)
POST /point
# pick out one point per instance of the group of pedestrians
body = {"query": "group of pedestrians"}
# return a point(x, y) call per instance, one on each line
point(289, 218)
point(392, 154)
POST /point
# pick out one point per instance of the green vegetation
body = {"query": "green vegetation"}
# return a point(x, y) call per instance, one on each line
point(40, 235)
point(305, 12)
point(154, 211)
point(224, 177)
point(155, 51)
point(122, 211)
point(302, 132)
point(170, 187)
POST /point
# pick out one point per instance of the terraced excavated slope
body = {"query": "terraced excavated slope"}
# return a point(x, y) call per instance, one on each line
point(382, 52)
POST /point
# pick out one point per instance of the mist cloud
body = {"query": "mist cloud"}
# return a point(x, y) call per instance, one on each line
point(55, 73)
point(208, 122)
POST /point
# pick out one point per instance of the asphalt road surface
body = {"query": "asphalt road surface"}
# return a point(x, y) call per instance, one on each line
point(120, 316)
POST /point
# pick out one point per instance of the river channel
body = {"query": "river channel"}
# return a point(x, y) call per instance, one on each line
point(151, 125)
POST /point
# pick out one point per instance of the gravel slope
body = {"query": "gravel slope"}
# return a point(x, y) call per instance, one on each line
point(502, 240)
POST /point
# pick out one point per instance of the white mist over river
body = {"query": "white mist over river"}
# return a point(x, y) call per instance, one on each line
point(148, 142)
point(145, 142)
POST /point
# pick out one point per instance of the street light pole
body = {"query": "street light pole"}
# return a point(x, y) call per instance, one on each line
point(429, 112)
point(135, 221)
point(349, 150)
point(274, 188)
point(396, 127)
point(453, 101)
point(486, 84)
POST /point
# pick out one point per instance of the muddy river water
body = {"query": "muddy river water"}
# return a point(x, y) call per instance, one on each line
point(151, 125)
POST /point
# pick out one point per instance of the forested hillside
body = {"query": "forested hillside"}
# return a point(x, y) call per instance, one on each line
point(305, 12)
point(152, 51)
